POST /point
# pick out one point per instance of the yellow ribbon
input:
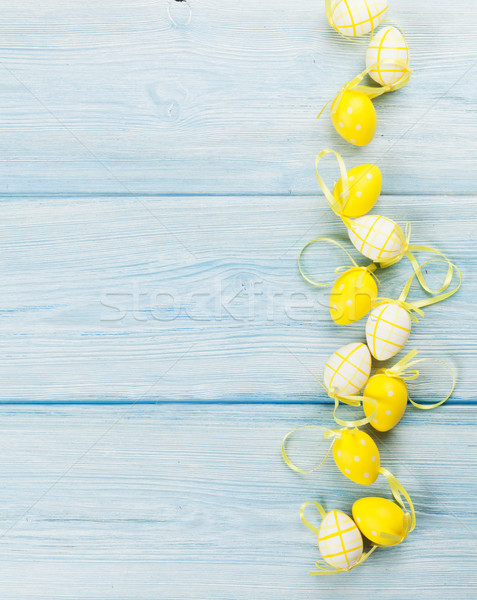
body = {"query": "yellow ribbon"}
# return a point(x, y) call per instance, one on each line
point(402, 370)
point(398, 490)
point(370, 91)
point(324, 568)
point(371, 268)
point(418, 305)
point(350, 400)
point(328, 433)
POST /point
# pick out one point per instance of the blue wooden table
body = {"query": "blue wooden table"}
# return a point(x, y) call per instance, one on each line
point(157, 342)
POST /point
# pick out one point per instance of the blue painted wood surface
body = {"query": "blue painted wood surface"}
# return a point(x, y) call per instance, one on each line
point(157, 184)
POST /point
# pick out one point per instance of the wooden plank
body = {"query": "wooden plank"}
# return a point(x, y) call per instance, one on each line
point(134, 96)
point(101, 301)
point(195, 502)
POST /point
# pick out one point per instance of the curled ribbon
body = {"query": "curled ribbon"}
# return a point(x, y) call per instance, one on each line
point(418, 305)
point(328, 433)
point(371, 268)
point(370, 91)
point(402, 370)
point(325, 569)
point(398, 490)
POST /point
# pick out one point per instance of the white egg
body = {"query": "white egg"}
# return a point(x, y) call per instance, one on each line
point(347, 370)
point(356, 17)
point(339, 540)
point(387, 329)
point(388, 44)
point(378, 238)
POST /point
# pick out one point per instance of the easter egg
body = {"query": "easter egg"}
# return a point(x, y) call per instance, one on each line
point(356, 17)
point(352, 296)
point(378, 238)
point(390, 394)
point(357, 456)
point(388, 45)
point(339, 540)
point(347, 369)
point(387, 329)
point(364, 183)
point(354, 117)
point(375, 516)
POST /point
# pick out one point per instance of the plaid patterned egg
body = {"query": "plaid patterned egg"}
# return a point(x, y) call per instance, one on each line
point(388, 44)
point(387, 329)
point(347, 370)
point(339, 540)
point(356, 17)
point(378, 238)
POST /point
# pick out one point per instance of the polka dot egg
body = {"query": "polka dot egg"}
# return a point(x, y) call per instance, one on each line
point(387, 45)
point(352, 296)
point(390, 394)
point(378, 238)
point(387, 330)
point(357, 17)
point(375, 516)
point(339, 540)
point(354, 117)
point(364, 184)
point(347, 370)
point(357, 456)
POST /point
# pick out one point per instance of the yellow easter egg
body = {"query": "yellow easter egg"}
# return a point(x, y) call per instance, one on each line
point(352, 296)
point(378, 238)
point(354, 118)
point(375, 516)
point(387, 45)
point(357, 456)
point(347, 370)
point(357, 17)
point(387, 330)
point(364, 183)
point(339, 540)
point(390, 394)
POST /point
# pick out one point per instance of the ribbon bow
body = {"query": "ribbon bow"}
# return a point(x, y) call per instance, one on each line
point(370, 91)
point(403, 371)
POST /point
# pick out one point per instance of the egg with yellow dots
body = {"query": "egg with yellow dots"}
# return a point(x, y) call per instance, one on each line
point(339, 540)
point(364, 189)
point(347, 370)
point(387, 45)
point(357, 17)
point(375, 516)
point(387, 329)
point(390, 394)
point(357, 456)
point(354, 117)
point(380, 239)
point(352, 296)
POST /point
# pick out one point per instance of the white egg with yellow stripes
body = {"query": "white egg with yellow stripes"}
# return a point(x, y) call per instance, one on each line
point(347, 370)
point(378, 238)
point(387, 45)
point(387, 330)
point(357, 17)
point(339, 540)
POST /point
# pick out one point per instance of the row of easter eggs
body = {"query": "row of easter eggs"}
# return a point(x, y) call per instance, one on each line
point(347, 372)
point(352, 113)
point(340, 540)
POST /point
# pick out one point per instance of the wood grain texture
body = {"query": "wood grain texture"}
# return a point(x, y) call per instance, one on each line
point(195, 502)
point(141, 96)
point(102, 302)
